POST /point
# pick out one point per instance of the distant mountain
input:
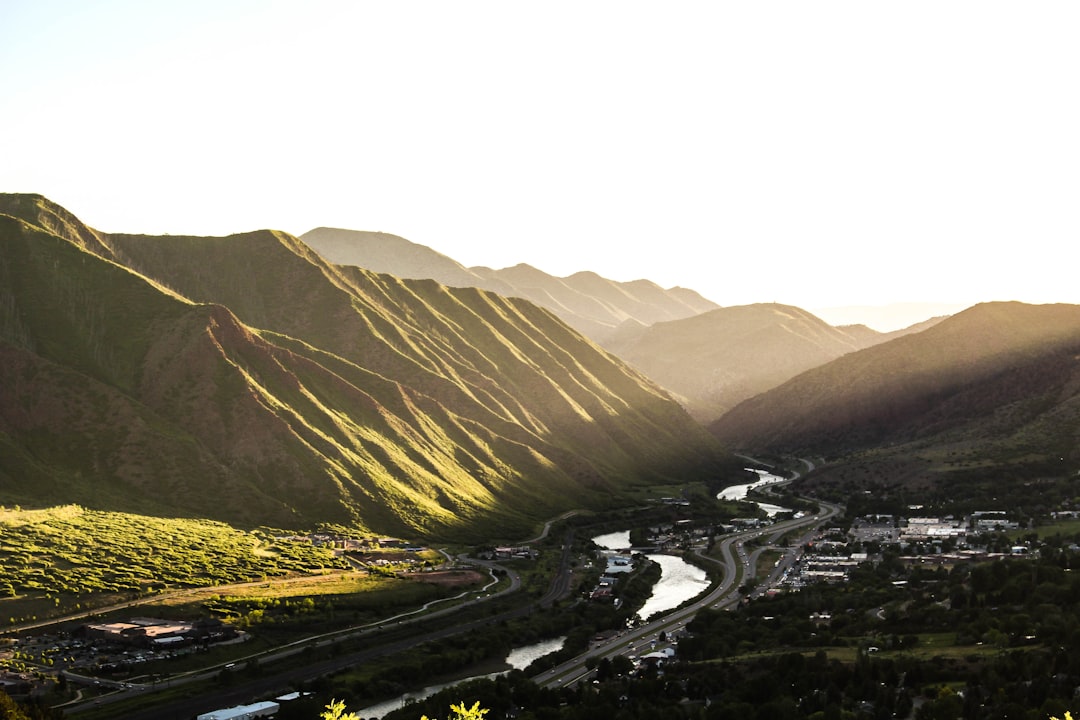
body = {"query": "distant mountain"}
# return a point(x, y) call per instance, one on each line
point(587, 302)
point(999, 382)
point(247, 379)
point(717, 359)
point(385, 253)
point(887, 318)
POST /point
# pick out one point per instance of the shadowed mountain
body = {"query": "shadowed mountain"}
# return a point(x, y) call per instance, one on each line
point(587, 302)
point(246, 379)
point(999, 382)
point(715, 360)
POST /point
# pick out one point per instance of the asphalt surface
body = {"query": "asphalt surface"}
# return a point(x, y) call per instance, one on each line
point(640, 639)
point(242, 688)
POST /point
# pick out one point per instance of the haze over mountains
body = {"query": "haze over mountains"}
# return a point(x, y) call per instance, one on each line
point(591, 304)
point(985, 404)
point(709, 357)
point(247, 379)
point(775, 378)
point(1001, 379)
point(251, 379)
point(717, 359)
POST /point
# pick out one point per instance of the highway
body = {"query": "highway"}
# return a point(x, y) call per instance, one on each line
point(242, 687)
point(736, 564)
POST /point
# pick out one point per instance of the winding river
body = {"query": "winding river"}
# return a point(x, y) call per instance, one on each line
point(518, 659)
point(738, 492)
point(679, 580)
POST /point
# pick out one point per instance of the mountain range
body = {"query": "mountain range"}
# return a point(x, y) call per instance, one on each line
point(773, 378)
point(247, 379)
point(269, 379)
point(715, 360)
point(709, 357)
point(591, 304)
point(988, 394)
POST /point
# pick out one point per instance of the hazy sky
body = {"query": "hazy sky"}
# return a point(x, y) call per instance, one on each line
point(812, 153)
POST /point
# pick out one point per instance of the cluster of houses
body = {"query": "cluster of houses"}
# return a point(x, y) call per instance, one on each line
point(350, 544)
point(942, 540)
point(522, 552)
point(617, 564)
point(933, 532)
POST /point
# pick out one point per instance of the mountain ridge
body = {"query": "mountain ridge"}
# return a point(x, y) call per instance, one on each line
point(714, 360)
point(586, 301)
point(400, 406)
point(706, 368)
point(988, 380)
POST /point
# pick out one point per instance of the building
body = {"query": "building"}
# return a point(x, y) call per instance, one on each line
point(155, 633)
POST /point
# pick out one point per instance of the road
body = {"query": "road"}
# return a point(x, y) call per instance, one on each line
point(634, 641)
point(242, 689)
point(735, 561)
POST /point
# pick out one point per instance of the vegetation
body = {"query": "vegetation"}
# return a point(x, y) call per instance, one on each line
point(982, 641)
point(12, 710)
point(245, 379)
point(336, 711)
point(70, 558)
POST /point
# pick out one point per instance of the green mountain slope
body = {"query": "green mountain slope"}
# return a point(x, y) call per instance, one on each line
point(999, 382)
point(135, 379)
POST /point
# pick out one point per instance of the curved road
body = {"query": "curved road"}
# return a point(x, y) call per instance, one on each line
point(641, 638)
point(638, 640)
point(242, 690)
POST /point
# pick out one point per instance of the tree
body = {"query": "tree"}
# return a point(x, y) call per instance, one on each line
point(461, 713)
point(335, 710)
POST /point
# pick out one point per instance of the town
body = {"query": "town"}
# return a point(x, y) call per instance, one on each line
point(106, 656)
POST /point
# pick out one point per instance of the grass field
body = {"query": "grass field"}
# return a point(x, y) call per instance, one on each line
point(65, 559)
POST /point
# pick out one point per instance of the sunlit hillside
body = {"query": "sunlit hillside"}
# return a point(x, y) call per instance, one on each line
point(995, 387)
point(589, 303)
point(247, 379)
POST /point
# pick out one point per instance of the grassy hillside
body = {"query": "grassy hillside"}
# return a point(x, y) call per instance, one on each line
point(246, 379)
point(69, 554)
point(997, 385)
point(483, 356)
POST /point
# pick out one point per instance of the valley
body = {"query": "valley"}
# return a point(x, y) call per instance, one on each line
point(138, 679)
point(543, 596)
point(246, 468)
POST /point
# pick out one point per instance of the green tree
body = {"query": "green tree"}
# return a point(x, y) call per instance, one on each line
point(335, 710)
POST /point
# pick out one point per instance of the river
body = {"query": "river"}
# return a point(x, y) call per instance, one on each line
point(738, 492)
point(679, 580)
point(518, 659)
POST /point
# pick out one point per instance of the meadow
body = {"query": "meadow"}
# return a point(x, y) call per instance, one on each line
point(68, 558)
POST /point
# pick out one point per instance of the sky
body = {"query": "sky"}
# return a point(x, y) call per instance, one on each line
point(816, 154)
